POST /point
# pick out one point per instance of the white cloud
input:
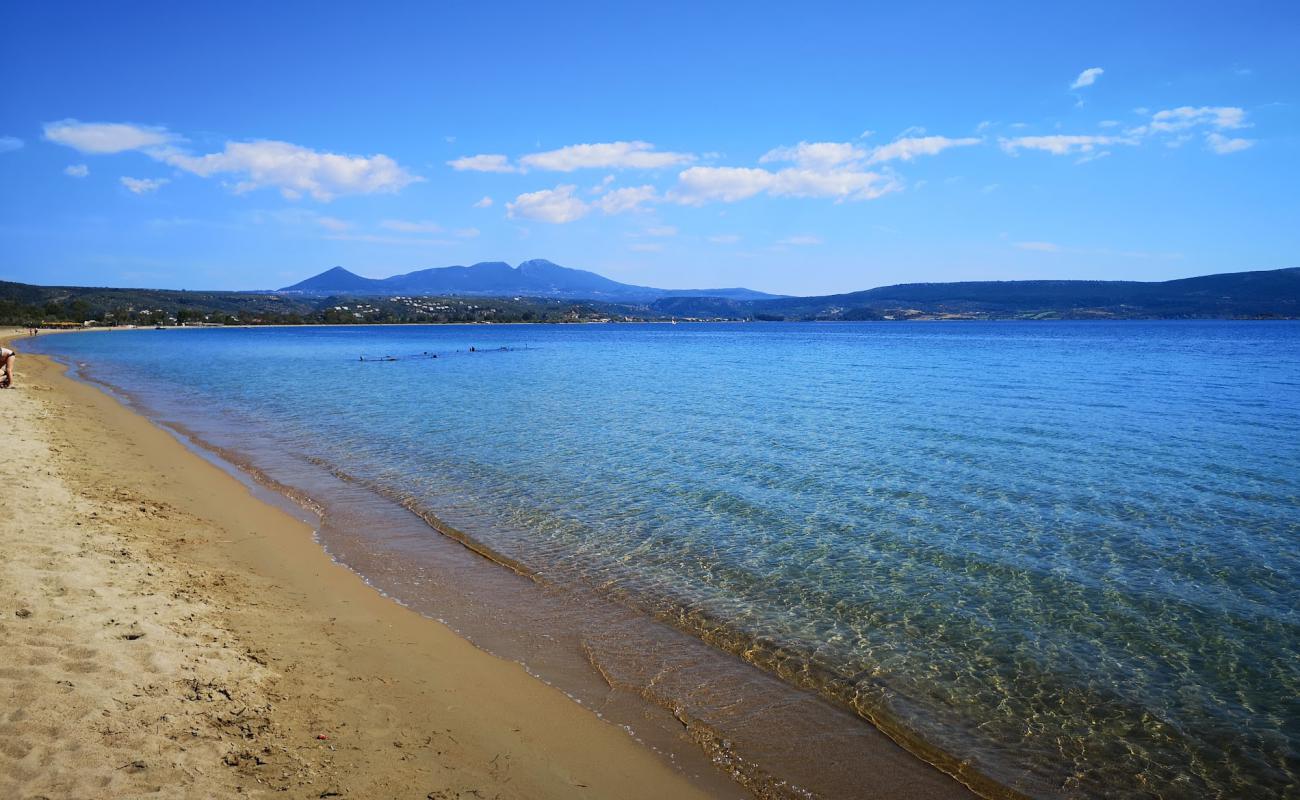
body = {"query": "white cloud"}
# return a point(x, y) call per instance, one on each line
point(814, 155)
point(106, 137)
point(606, 155)
point(485, 202)
point(1039, 247)
point(76, 170)
point(143, 185)
point(626, 199)
point(1183, 117)
point(699, 185)
point(1181, 124)
point(10, 143)
point(724, 238)
point(295, 170)
point(561, 204)
point(333, 223)
point(847, 184)
point(468, 233)
point(800, 241)
point(1223, 145)
point(830, 156)
point(556, 205)
point(661, 230)
point(411, 226)
point(906, 149)
point(1061, 144)
point(1087, 78)
point(1174, 126)
point(487, 162)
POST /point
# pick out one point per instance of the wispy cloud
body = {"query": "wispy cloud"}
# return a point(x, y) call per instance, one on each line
point(8, 144)
point(646, 247)
point(1183, 122)
point(143, 185)
point(400, 241)
point(76, 170)
point(1038, 247)
point(605, 155)
point(699, 185)
point(906, 149)
point(1062, 144)
point(468, 233)
point(487, 162)
point(815, 155)
point(1094, 155)
point(800, 241)
point(484, 202)
point(106, 137)
point(725, 238)
point(1174, 126)
point(1223, 145)
point(1088, 77)
point(333, 223)
point(1104, 252)
point(825, 156)
point(411, 226)
point(628, 198)
point(1184, 117)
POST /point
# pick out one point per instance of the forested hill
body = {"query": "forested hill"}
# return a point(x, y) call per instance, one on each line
point(1273, 293)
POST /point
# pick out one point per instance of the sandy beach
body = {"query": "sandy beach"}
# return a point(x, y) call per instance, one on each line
point(166, 633)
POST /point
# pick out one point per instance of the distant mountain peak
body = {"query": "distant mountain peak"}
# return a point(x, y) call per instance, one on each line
point(536, 277)
point(334, 279)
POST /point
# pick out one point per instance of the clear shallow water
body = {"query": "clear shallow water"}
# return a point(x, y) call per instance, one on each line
point(1065, 553)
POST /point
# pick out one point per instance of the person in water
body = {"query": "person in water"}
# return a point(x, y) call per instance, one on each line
point(7, 357)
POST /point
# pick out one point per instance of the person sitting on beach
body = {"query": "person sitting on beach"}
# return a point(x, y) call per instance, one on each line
point(6, 367)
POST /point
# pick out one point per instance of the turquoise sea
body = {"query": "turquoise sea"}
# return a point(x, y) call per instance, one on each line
point(1062, 556)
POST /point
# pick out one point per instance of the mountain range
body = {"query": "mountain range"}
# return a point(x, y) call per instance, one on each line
point(1260, 293)
point(535, 278)
point(543, 292)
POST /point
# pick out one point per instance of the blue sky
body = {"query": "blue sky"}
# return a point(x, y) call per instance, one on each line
point(803, 149)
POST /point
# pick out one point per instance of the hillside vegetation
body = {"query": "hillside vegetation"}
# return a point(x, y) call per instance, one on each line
point(1241, 295)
